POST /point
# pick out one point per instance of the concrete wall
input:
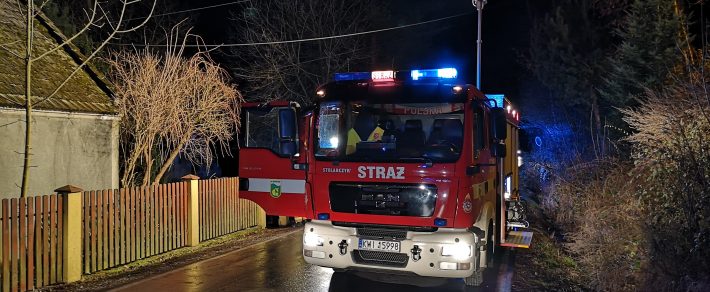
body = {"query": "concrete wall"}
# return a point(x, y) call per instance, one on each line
point(67, 148)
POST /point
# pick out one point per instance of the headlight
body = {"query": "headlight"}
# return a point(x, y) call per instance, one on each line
point(459, 251)
point(312, 239)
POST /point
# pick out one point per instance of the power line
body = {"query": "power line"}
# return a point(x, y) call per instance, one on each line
point(191, 10)
point(312, 39)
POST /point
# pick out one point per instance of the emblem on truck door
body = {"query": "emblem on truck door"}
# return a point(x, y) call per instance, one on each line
point(275, 188)
point(467, 204)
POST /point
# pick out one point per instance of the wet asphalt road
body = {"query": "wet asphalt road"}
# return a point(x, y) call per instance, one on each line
point(278, 265)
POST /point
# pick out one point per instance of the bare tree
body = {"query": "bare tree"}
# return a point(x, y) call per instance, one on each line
point(171, 105)
point(274, 69)
point(97, 17)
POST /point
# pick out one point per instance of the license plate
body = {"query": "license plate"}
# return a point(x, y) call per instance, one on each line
point(379, 245)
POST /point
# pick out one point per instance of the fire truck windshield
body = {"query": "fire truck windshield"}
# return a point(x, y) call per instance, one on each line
point(402, 132)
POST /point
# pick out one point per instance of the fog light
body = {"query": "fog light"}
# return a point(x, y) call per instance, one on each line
point(447, 266)
point(312, 239)
point(459, 251)
point(314, 254)
point(454, 266)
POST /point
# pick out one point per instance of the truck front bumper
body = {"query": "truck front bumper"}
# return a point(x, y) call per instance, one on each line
point(445, 253)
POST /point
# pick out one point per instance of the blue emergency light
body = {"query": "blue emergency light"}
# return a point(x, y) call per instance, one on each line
point(498, 98)
point(352, 76)
point(443, 73)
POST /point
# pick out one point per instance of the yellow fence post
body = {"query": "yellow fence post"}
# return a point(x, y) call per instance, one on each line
point(193, 210)
point(262, 217)
point(71, 224)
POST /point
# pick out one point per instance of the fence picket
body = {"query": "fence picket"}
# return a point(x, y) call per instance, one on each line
point(23, 243)
point(130, 218)
point(52, 239)
point(92, 223)
point(30, 244)
point(13, 244)
point(165, 217)
point(111, 230)
point(39, 250)
point(213, 208)
point(104, 229)
point(183, 212)
point(160, 218)
point(223, 208)
point(86, 222)
point(176, 215)
point(200, 210)
point(153, 213)
point(45, 236)
point(99, 231)
point(122, 232)
point(171, 225)
point(5, 246)
point(143, 208)
point(235, 201)
point(60, 239)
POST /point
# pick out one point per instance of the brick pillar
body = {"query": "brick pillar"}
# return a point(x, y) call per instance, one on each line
point(193, 210)
point(71, 223)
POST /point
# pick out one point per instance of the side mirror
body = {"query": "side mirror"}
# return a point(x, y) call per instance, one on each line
point(499, 125)
point(498, 150)
point(288, 132)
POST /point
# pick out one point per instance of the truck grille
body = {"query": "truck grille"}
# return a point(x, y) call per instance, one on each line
point(380, 258)
point(381, 233)
point(416, 200)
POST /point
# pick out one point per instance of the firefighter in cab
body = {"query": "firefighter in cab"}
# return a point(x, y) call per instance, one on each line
point(365, 126)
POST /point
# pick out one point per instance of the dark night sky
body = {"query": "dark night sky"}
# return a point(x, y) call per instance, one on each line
point(447, 43)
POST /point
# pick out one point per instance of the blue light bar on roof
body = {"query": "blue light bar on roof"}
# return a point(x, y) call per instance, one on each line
point(445, 73)
point(497, 99)
point(352, 76)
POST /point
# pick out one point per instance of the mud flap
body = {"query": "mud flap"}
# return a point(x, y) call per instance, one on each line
point(518, 239)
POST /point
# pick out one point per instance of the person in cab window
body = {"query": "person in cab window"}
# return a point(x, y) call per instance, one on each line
point(365, 126)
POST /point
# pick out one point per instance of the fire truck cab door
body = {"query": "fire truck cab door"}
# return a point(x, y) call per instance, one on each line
point(268, 158)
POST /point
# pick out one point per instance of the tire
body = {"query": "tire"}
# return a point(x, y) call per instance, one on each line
point(490, 244)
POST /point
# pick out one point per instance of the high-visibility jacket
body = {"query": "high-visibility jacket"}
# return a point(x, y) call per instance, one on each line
point(354, 138)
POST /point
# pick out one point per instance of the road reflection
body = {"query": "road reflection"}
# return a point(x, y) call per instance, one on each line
point(278, 265)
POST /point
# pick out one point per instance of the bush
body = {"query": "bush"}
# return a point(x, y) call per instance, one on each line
point(672, 168)
point(594, 206)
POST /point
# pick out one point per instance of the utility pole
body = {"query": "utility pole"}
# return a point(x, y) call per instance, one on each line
point(479, 6)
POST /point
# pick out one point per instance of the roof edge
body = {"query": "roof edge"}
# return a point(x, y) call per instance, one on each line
point(75, 53)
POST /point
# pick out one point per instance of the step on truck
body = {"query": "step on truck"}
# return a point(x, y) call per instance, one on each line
point(403, 172)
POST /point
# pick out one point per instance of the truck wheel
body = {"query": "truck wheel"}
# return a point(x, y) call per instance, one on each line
point(490, 244)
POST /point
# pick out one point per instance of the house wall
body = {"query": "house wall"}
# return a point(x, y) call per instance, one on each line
point(67, 148)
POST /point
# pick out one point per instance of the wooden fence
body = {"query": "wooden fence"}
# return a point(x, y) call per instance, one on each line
point(31, 242)
point(221, 209)
point(117, 227)
point(121, 226)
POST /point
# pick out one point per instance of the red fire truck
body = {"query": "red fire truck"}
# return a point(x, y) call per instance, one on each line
point(402, 172)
